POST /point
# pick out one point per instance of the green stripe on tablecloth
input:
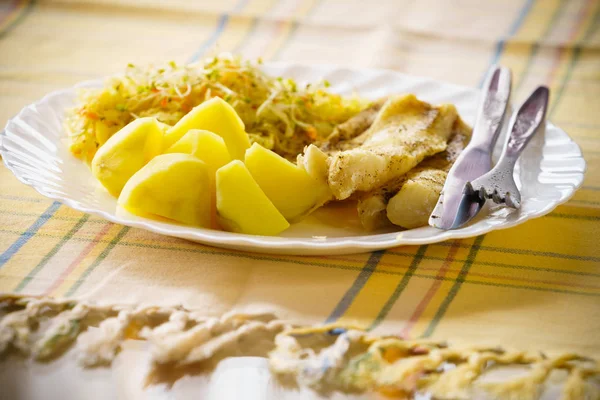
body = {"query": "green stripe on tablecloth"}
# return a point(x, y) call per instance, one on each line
point(509, 250)
point(27, 235)
point(356, 287)
point(456, 287)
point(51, 253)
point(294, 29)
point(525, 8)
point(24, 11)
point(575, 58)
point(501, 265)
point(97, 261)
point(536, 46)
point(341, 266)
point(499, 50)
point(73, 218)
point(219, 29)
point(308, 262)
point(400, 287)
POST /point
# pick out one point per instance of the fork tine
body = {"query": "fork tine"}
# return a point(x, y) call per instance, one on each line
point(512, 201)
point(499, 184)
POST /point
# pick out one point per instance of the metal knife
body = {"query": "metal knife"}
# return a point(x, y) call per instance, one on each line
point(476, 158)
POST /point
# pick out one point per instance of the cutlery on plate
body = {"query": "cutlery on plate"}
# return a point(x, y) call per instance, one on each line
point(499, 184)
point(476, 158)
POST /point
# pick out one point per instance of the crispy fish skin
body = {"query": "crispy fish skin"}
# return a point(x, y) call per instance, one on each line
point(353, 127)
point(405, 131)
point(409, 200)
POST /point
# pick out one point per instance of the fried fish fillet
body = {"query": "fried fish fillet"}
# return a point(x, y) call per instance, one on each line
point(408, 200)
point(405, 131)
point(353, 127)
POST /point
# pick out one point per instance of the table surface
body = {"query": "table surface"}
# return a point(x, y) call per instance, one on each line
point(535, 286)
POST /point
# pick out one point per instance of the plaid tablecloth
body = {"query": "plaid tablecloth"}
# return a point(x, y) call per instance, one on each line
point(536, 286)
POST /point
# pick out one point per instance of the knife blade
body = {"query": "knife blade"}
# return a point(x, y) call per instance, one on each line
point(476, 158)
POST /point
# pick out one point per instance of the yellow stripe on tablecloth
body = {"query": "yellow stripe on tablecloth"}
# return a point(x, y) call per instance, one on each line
point(379, 295)
point(532, 279)
point(590, 192)
point(531, 259)
point(485, 316)
point(54, 246)
point(284, 28)
point(542, 17)
point(581, 25)
point(374, 294)
point(104, 242)
point(240, 27)
point(572, 285)
point(427, 272)
point(15, 225)
point(578, 102)
point(217, 280)
point(271, 34)
point(257, 8)
point(43, 274)
point(517, 48)
point(140, 239)
point(142, 264)
point(231, 28)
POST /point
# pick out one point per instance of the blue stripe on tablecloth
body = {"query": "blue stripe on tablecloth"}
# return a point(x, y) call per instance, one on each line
point(358, 284)
point(223, 20)
point(512, 30)
point(28, 234)
point(21, 11)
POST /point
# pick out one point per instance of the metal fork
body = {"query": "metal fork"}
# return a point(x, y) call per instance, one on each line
point(499, 184)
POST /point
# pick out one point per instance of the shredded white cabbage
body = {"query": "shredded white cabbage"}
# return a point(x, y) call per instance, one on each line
point(276, 112)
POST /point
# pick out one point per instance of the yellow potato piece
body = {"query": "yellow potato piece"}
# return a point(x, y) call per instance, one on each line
point(164, 127)
point(125, 152)
point(205, 145)
point(217, 116)
point(242, 206)
point(211, 149)
point(173, 186)
point(291, 189)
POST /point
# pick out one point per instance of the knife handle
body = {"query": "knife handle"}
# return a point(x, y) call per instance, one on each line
point(524, 124)
point(492, 108)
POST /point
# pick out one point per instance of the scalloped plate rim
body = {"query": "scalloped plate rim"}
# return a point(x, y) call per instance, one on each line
point(286, 245)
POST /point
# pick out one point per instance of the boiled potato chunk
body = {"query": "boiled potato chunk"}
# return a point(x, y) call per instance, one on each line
point(291, 189)
point(164, 127)
point(205, 145)
point(242, 206)
point(173, 186)
point(209, 148)
point(125, 152)
point(217, 116)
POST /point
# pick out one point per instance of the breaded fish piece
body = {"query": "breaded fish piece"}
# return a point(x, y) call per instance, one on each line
point(405, 131)
point(408, 201)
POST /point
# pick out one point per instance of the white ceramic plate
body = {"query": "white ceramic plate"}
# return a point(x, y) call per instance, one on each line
point(34, 147)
